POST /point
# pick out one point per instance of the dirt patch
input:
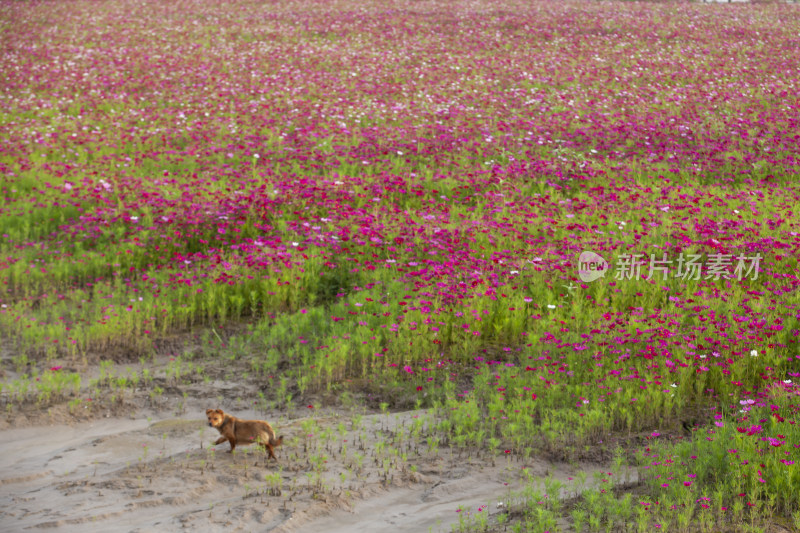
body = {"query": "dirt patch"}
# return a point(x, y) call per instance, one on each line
point(142, 456)
point(335, 473)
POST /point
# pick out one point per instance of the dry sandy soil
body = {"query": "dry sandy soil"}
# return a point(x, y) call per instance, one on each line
point(142, 468)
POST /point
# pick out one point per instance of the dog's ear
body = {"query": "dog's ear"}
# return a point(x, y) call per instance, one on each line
point(209, 411)
point(219, 411)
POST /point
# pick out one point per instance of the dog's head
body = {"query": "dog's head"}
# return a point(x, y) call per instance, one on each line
point(215, 417)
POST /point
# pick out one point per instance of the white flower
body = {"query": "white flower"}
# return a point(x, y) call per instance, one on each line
point(295, 244)
point(753, 353)
point(550, 306)
point(787, 381)
point(673, 385)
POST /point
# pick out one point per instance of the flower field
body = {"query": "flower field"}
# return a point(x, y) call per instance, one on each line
point(388, 201)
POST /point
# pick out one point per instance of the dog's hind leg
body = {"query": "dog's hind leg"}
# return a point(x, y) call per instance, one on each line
point(268, 449)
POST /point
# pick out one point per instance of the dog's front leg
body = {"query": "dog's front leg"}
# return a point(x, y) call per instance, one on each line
point(220, 440)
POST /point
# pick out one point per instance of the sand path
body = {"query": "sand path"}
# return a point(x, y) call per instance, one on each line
point(128, 474)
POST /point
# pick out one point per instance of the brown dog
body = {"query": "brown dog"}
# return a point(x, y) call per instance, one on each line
point(238, 431)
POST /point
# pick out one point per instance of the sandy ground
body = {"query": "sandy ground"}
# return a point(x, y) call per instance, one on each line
point(139, 464)
point(135, 474)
